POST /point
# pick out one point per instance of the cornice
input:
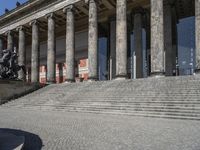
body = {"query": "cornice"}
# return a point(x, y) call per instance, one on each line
point(19, 9)
point(36, 14)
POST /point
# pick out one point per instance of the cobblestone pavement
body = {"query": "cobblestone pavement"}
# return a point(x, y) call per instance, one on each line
point(81, 131)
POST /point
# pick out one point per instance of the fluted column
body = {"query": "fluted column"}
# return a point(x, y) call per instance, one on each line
point(197, 31)
point(157, 38)
point(51, 50)
point(138, 42)
point(10, 43)
point(70, 44)
point(121, 39)
point(35, 52)
point(93, 40)
point(22, 54)
point(1, 47)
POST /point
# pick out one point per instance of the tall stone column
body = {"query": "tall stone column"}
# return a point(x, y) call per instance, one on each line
point(121, 39)
point(197, 31)
point(10, 43)
point(1, 47)
point(22, 53)
point(112, 48)
point(157, 38)
point(138, 42)
point(51, 50)
point(168, 39)
point(35, 52)
point(93, 40)
point(70, 44)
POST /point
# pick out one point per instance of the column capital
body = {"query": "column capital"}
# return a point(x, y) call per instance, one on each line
point(2, 37)
point(69, 8)
point(34, 22)
point(20, 28)
point(91, 1)
point(50, 15)
point(8, 33)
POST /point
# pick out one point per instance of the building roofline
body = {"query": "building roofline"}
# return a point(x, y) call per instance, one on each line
point(19, 9)
point(9, 22)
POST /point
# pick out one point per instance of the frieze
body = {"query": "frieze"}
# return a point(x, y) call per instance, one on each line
point(34, 13)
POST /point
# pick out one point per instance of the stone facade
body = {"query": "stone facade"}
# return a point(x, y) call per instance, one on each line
point(54, 34)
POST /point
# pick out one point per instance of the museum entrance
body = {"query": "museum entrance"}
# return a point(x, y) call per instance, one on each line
point(102, 58)
point(132, 56)
point(103, 52)
point(186, 46)
point(185, 58)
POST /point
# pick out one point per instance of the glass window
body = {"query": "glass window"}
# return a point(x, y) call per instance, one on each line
point(186, 46)
point(102, 58)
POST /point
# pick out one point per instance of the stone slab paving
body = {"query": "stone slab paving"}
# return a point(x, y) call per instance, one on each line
point(81, 131)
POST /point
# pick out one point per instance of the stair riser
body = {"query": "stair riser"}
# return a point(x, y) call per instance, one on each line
point(177, 97)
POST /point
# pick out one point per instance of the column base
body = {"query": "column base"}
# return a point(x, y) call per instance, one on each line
point(120, 77)
point(50, 82)
point(157, 74)
point(35, 83)
point(20, 79)
point(69, 80)
point(92, 79)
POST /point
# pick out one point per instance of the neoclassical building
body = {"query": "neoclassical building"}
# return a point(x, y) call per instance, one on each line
point(68, 40)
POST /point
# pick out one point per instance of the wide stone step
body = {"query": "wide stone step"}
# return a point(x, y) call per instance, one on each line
point(195, 110)
point(177, 97)
point(121, 104)
point(133, 89)
point(155, 115)
point(111, 95)
point(173, 115)
point(111, 102)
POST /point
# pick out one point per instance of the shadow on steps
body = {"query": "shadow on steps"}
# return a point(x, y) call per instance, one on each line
point(10, 90)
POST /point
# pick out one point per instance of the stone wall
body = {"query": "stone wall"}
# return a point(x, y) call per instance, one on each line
point(13, 89)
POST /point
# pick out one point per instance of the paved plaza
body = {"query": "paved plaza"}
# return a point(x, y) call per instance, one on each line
point(54, 130)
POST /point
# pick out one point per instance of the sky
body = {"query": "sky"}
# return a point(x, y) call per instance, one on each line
point(9, 4)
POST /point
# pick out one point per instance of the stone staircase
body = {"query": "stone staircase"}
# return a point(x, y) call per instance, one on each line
point(170, 97)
